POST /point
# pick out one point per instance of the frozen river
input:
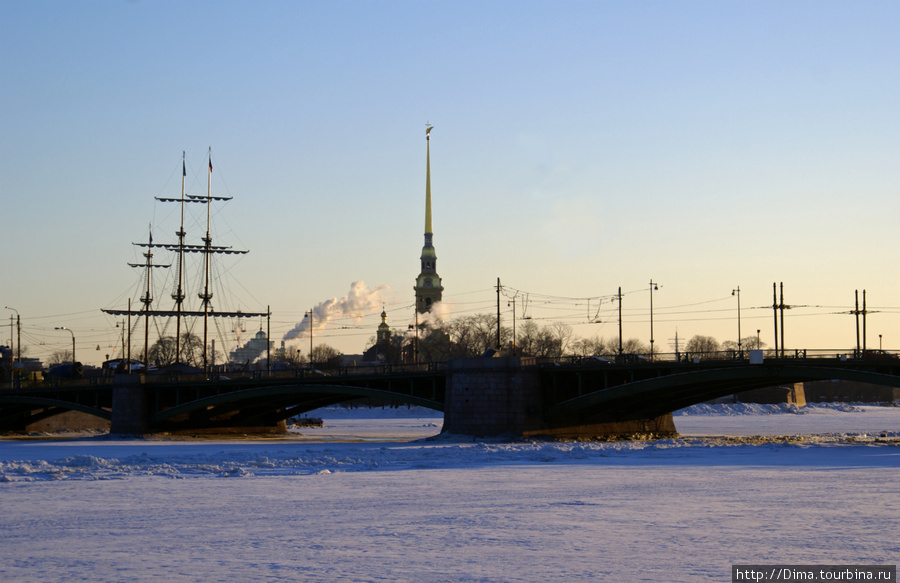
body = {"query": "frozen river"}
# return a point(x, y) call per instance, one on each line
point(369, 498)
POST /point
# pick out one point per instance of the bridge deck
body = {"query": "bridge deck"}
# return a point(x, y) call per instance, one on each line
point(586, 389)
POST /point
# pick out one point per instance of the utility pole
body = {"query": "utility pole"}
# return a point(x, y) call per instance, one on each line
point(775, 311)
point(498, 314)
point(309, 315)
point(513, 303)
point(738, 293)
point(18, 333)
point(856, 313)
point(782, 307)
point(620, 319)
point(778, 306)
point(864, 312)
point(653, 286)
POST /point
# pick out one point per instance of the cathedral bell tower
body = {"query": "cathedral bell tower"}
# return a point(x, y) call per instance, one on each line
point(383, 336)
point(428, 284)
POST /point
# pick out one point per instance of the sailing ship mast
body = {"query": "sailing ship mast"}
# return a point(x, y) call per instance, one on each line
point(206, 295)
point(147, 297)
point(180, 248)
point(178, 294)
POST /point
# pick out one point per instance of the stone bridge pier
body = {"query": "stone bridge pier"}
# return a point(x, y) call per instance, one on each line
point(499, 396)
point(130, 410)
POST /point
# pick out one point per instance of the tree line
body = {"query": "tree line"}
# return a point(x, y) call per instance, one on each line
point(474, 335)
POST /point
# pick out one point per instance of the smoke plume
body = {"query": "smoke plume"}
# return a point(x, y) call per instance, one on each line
point(359, 302)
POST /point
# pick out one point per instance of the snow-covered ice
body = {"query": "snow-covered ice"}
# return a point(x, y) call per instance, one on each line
point(379, 496)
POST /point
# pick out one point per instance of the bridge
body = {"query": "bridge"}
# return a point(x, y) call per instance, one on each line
point(488, 396)
point(136, 404)
point(649, 390)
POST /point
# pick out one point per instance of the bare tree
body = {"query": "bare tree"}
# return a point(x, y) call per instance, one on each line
point(163, 352)
point(473, 335)
point(325, 356)
point(704, 346)
point(595, 346)
point(59, 357)
point(635, 346)
point(747, 343)
point(562, 334)
point(435, 346)
point(544, 341)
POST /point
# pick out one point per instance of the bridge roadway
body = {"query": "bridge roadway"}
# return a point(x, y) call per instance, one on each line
point(581, 392)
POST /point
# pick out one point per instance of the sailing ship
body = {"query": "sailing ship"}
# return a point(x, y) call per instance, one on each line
point(182, 311)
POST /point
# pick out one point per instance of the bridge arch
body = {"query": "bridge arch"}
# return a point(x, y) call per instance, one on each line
point(273, 403)
point(664, 394)
point(26, 409)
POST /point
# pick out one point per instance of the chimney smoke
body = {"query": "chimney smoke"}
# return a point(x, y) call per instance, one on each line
point(358, 302)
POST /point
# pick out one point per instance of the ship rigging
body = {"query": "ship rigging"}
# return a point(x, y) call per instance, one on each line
point(182, 311)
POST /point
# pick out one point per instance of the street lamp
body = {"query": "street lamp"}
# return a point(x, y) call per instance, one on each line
point(73, 340)
point(18, 331)
point(757, 339)
point(309, 315)
point(737, 292)
point(653, 286)
point(513, 303)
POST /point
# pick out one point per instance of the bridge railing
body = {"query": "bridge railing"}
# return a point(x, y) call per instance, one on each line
point(724, 356)
point(734, 356)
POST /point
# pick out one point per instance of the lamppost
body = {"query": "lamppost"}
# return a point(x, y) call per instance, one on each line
point(513, 303)
point(653, 286)
point(879, 343)
point(18, 332)
point(757, 339)
point(737, 292)
point(73, 340)
point(309, 315)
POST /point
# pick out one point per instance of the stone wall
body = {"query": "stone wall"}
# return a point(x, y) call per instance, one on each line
point(497, 396)
point(129, 405)
point(489, 397)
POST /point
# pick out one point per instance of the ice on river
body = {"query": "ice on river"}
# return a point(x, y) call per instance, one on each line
point(379, 496)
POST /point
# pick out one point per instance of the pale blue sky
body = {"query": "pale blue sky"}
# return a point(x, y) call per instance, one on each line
point(578, 147)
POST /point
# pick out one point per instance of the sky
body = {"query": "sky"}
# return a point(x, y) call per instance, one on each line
point(578, 147)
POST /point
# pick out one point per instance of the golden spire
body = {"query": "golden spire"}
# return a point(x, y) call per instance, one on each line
point(428, 230)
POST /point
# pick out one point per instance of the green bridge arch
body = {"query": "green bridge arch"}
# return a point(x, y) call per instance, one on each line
point(269, 403)
point(37, 401)
point(657, 395)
